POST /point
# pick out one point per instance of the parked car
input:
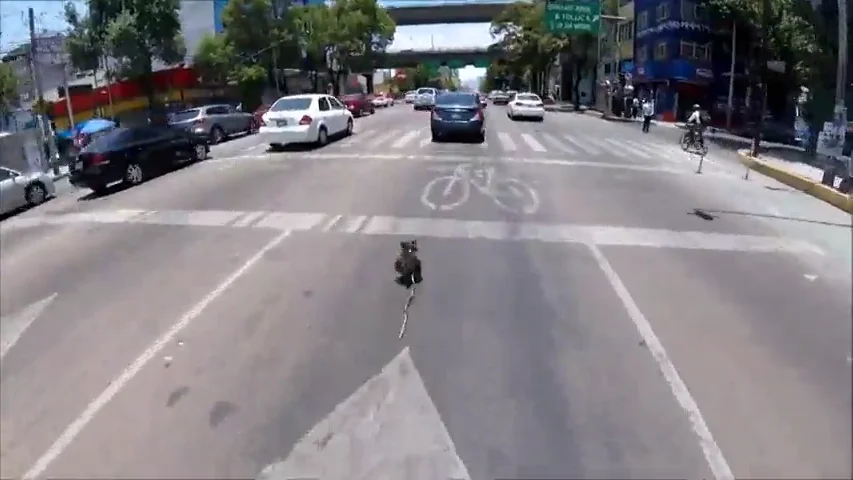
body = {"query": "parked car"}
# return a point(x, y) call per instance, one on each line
point(309, 118)
point(259, 112)
point(425, 99)
point(458, 114)
point(131, 155)
point(382, 100)
point(216, 122)
point(526, 105)
point(358, 104)
point(18, 190)
point(410, 96)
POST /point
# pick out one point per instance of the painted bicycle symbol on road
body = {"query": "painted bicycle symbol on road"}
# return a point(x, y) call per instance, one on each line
point(448, 192)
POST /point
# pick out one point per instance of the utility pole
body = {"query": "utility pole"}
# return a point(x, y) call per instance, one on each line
point(45, 133)
point(841, 77)
point(762, 76)
point(732, 78)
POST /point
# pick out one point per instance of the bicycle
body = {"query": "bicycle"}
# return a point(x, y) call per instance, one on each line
point(690, 143)
point(510, 194)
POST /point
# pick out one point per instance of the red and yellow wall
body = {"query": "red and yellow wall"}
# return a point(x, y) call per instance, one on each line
point(174, 84)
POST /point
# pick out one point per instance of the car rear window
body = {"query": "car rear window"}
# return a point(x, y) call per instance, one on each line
point(185, 115)
point(527, 97)
point(291, 104)
point(424, 91)
point(108, 140)
point(456, 99)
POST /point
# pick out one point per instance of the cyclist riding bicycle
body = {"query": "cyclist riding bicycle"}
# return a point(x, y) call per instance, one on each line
point(694, 125)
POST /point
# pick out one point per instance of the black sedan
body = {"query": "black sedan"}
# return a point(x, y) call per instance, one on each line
point(131, 155)
point(458, 114)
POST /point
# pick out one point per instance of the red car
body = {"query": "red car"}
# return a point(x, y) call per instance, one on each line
point(358, 104)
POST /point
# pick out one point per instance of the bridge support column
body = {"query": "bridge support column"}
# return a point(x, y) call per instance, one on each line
point(368, 81)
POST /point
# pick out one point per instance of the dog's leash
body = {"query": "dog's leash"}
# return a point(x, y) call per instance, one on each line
point(406, 308)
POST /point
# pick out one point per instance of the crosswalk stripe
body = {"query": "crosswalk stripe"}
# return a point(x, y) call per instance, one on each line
point(406, 138)
point(583, 146)
point(629, 149)
point(560, 145)
point(426, 140)
point(532, 143)
point(607, 147)
point(506, 141)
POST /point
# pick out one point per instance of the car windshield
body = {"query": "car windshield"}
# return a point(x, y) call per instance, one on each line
point(185, 115)
point(424, 91)
point(456, 99)
point(291, 104)
point(111, 140)
point(527, 97)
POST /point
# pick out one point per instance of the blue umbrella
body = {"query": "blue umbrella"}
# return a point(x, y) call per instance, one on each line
point(95, 125)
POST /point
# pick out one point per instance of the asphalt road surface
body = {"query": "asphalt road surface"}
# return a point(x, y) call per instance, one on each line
point(592, 308)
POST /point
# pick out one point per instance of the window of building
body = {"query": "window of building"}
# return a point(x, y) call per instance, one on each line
point(688, 11)
point(625, 32)
point(695, 51)
point(643, 21)
point(642, 55)
point(662, 12)
point(660, 51)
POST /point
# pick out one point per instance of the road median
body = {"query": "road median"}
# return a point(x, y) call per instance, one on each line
point(799, 182)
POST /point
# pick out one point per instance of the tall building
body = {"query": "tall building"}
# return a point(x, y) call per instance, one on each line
point(673, 54)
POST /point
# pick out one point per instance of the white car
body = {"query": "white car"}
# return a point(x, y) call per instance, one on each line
point(23, 189)
point(381, 100)
point(410, 96)
point(309, 118)
point(526, 105)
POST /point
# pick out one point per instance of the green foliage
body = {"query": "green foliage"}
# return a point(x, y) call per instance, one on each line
point(8, 87)
point(361, 29)
point(215, 59)
point(133, 32)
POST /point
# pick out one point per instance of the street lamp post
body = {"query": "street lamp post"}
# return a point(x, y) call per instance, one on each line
point(841, 76)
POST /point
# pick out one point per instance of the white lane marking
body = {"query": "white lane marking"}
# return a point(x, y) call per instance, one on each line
point(532, 143)
point(383, 137)
point(425, 141)
point(632, 148)
point(560, 145)
point(13, 326)
point(328, 225)
point(582, 145)
point(604, 235)
point(608, 148)
point(249, 219)
point(76, 427)
point(408, 137)
point(506, 141)
point(713, 454)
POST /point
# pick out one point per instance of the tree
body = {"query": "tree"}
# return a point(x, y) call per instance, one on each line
point(135, 33)
point(361, 33)
point(313, 26)
point(215, 59)
point(8, 87)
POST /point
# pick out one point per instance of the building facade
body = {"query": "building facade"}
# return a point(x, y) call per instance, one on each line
point(674, 59)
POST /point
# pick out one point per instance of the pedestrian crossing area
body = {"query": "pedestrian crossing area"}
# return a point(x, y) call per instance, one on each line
point(574, 145)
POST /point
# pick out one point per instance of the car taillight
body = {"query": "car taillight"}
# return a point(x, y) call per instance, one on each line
point(305, 120)
point(97, 159)
point(479, 115)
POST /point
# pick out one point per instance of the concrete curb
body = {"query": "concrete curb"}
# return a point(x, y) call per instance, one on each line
point(799, 182)
point(617, 119)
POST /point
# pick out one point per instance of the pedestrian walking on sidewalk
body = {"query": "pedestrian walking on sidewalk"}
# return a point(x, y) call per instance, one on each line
point(648, 113)
point(635, 108)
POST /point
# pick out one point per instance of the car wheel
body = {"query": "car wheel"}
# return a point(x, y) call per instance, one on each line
point(133, 174)
point(322, 137)
point(216, 135)
point(372, 111)
point(276, 147)
point(481, 137)
point(199, 152)
point(349, 128)
point(36, 194)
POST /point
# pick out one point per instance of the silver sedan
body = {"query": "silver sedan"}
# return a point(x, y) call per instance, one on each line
point(23, 189)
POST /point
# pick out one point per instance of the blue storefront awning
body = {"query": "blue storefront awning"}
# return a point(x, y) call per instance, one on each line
point(656, 71)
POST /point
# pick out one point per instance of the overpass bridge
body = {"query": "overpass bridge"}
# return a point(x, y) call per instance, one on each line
point(430, 12)
point(452, 57)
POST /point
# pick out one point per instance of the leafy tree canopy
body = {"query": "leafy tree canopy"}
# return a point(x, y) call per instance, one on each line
point(8, 87)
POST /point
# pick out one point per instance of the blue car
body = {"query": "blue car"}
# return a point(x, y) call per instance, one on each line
point(458, 115)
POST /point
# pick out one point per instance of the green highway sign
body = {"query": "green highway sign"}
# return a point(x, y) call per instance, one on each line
point(573, 16)
point(481, 63)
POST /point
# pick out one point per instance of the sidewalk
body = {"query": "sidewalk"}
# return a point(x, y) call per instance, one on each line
point(798, 175)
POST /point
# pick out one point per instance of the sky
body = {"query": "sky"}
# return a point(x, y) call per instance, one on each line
point(49, 17)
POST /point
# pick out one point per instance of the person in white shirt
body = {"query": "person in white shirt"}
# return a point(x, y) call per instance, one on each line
point(694, 124)
point(648, 113)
